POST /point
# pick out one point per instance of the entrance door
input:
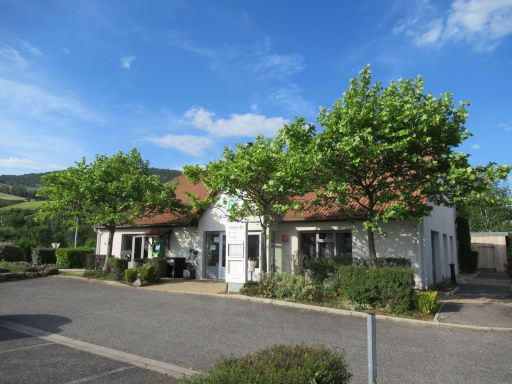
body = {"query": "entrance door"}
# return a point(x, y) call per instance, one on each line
point(486, 259)
point(215, 255)
point(254, 254)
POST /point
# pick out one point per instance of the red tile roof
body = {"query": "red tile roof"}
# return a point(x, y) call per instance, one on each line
point(170, 218)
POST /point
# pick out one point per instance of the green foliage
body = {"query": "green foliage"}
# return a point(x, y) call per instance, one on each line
point(115, 268)
point(130, 275)
point(393, 262)
point(281, 364)
point(321, 268)
point(109, 191)
point(251, 288)
point(11, 252)
point(286, 286)
point(468, 259)
point(427, 302)
point(389, 151)
point(386, 287)
point(92, 260)
point(160, 264)
point(7, 266)
point(147, 274)
point(72, 257)
point(43, 256)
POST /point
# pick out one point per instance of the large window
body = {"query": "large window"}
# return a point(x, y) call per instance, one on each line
point(326, 244)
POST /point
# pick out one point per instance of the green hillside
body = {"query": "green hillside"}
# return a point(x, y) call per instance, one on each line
point(25, 205)
point(8, 196)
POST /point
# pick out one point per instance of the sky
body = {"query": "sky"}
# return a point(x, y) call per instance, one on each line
point(179, 80)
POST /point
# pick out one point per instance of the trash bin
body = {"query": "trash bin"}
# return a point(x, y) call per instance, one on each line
point(452, 274)
point(179, 266)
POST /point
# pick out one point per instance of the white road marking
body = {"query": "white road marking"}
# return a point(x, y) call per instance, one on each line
point(129, 358)
point(27, 347)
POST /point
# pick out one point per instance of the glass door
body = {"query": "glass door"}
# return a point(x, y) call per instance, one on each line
point(253, 256)
point(215, 252)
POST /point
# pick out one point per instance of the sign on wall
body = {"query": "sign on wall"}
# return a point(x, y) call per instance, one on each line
point(236, 234)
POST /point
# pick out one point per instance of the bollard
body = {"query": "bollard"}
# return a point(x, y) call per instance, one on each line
point(452, 274)
point(372, 349)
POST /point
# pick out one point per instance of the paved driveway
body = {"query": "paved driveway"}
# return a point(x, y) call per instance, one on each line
point(193, 331)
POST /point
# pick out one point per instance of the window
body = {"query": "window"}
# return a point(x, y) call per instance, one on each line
point(127, 243)
point(326, 244)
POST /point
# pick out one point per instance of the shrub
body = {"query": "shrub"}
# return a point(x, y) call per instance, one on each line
point(43, 256)
point(427, 301)
point(147, 274)
point(353, 282)
point(47, 269)
point(395, 287)
point(400, 262)
point(11, 252)
point(280, 364)
point(115, 268)
point(283, 286)
point(321, 268)
point(72, 257)
point(160, 265)
point(251, 288)
point(93, 261)
point(130, 275)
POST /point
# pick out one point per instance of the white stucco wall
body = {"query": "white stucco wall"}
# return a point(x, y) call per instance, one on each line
point(398, 239)
point(102, 240)
point(441, 221)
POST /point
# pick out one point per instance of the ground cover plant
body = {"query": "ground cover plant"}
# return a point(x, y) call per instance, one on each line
point(280, 364)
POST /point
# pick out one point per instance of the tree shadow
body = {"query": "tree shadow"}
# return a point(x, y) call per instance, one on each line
point(47, 323)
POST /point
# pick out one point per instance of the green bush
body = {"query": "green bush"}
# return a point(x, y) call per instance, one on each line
point(427, 302)
point(401, 262)
point(115, 268)
point(72, 257)
point(251, 288)
point(321, 268)
point(353, 281)
point(147, 274)
point(130, 275)
point(160, 264)
point(11, 252)
point(281, 364)
point(43, 256)
point(283, 286)
point(395, 287)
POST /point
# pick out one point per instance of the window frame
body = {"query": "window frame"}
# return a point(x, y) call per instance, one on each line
point(326, 240)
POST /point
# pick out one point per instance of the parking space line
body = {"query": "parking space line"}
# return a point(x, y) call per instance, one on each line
point(26, 347)
point(100, 375)
point(113, 354)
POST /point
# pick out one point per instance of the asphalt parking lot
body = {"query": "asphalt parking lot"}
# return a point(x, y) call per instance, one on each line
point(27, 359)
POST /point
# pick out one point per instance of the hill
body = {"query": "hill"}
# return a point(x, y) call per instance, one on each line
point(32, 181)
point(8, 196)
point(32, 205)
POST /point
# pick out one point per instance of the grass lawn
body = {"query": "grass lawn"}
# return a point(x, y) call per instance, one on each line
point(7, 196)
point(25, 205)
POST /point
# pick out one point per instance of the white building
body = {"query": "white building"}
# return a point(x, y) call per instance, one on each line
point(222, 249)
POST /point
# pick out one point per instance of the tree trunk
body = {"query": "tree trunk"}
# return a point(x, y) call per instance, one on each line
point(111, 231)
point(76, 231)
point(264, 247)
point(371, 248)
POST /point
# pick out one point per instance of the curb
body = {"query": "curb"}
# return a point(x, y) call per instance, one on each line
point(315, 308)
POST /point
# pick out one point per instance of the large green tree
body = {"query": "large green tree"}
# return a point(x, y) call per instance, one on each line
point(264, 176)
point(388, 152)
point(109, 191)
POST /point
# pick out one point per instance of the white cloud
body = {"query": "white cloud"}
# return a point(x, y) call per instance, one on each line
point(290, 97)
point(30, 48)
point(482, 24)
point(37, 101)
point(475, 146)
point(506, 126)
point(248, 124)
point(127, 62)
point(11, 56)
point(15, 162)
point(190, 144)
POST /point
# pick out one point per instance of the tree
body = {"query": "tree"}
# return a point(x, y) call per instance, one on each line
point(388, 152)
point(110, 191)
point(264, 176)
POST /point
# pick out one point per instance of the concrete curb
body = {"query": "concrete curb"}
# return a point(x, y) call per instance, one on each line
point(314, 308)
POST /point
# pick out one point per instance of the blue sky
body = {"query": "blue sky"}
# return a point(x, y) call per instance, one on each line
point(181, 79)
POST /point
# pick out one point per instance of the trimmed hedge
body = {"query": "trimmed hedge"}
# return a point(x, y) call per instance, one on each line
point(72, 257)
point(43, 256)
point(12, 253)
point(280, 364)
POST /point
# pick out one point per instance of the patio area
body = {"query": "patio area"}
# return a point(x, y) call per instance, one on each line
point(189, 286)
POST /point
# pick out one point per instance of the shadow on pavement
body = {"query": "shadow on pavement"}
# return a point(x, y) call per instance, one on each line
point(48, 323)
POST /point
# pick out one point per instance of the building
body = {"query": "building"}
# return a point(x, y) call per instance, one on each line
point(222, 249)
point(492, 248)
